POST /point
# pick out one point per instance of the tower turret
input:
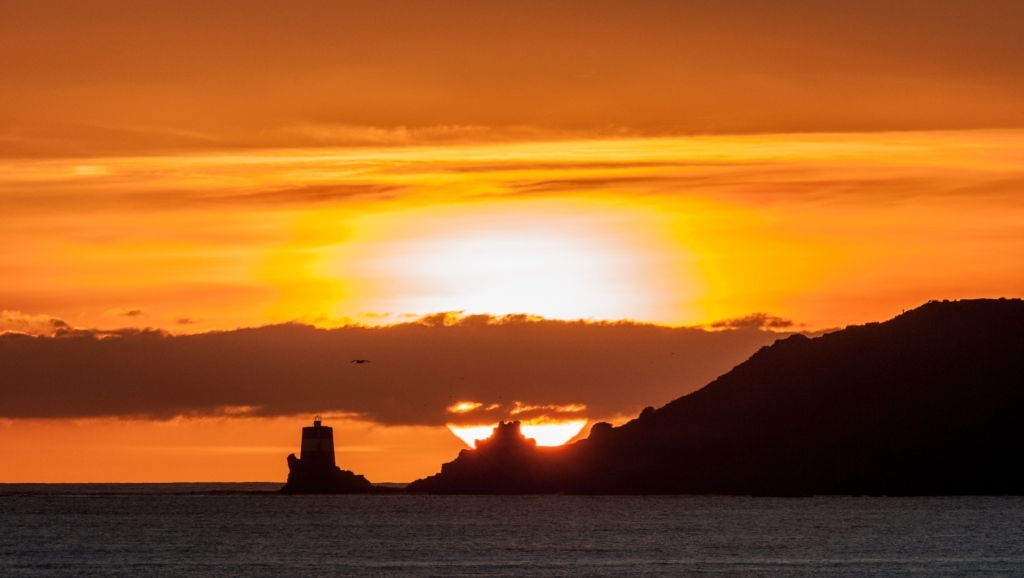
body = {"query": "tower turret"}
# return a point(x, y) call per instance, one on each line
point(318, 444)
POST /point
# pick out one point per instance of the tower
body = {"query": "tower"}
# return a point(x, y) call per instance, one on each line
point(315, 471)
point(318, 444)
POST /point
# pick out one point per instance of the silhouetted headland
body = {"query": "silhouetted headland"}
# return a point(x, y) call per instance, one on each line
point(315, 471)
point(928, 403)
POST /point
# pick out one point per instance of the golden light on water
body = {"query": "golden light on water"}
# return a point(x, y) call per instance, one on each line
point(546, 433)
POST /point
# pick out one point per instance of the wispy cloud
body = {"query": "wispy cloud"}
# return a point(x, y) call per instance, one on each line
point(18, 322)
point(755, 321)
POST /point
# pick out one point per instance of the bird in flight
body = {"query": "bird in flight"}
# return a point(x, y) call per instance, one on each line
point(360, 361)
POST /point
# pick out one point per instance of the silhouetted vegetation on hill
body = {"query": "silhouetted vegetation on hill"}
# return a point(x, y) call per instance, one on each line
point(930, 402)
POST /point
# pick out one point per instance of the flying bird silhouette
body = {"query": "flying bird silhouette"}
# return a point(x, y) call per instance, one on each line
point(360, 361)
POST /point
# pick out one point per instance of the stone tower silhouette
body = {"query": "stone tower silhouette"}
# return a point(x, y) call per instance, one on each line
point(318, 444)
point(315, 471)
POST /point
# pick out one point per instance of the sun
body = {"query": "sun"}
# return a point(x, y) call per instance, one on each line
point(546, 434)
point(554, 260)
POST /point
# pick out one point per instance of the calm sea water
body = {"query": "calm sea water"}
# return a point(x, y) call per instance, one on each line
point(244, 530)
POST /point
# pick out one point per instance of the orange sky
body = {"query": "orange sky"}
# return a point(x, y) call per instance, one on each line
point(822, 229)
point(119, 76)
point(194, 167)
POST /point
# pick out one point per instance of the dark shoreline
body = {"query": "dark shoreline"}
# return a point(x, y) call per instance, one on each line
point(273, 488)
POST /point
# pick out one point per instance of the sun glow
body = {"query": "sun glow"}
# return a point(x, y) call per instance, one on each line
point(553, 434)
point(679, 231)
point(561, 260)
point(470, 434)
point(546, 433)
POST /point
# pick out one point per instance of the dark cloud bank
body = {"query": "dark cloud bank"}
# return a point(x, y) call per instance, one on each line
point(416, 370)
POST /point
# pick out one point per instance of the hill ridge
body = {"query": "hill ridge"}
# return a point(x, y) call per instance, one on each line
point(928, 402)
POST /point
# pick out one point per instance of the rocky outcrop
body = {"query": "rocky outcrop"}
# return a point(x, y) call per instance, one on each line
point(321, 478)
point(505, 463)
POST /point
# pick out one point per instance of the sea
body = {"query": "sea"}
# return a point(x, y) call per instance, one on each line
point(248, 530)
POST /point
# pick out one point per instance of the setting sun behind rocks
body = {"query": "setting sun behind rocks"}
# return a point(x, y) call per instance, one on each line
point(545, 433)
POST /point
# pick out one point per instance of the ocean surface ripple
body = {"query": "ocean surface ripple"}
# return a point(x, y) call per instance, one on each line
point(247, 530)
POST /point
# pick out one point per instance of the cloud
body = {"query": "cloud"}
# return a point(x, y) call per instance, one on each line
point(326, 134)
point(755, 321)
point(512, 166)
point(759, 180)
point(463, 406)
point(475, 413)
point(305, 194)
point(418, 370)
point(774, 171)
point(18, 322)
point(587, 184)
point(520, 407)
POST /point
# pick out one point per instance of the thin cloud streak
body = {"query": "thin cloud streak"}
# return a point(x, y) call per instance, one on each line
point(768, 169)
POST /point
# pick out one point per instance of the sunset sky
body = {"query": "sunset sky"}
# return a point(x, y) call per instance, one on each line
point(549, 211)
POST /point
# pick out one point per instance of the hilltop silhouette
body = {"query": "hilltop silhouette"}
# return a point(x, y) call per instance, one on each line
point(928, 403)
point(505, 463)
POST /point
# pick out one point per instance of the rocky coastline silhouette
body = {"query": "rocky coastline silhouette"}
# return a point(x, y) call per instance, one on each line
point(928, 403)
